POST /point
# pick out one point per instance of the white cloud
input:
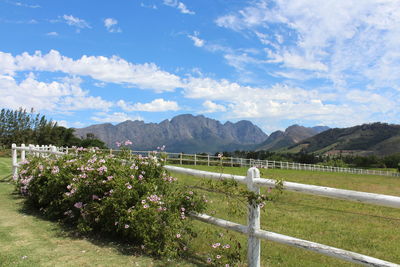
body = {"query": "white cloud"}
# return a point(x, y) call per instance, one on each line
point(196, 40)
point(111, 25)
point(283, 102)
point(157, 105)
point(57, 97)
point(341, 41)
point(20, 4)
point(114, 117)
point(62, 123)
point(76, 22)
point(295, 61)
point(211, 107)
point(52, 34)
point(104, 69)
point(179, 5)
point(148, 6)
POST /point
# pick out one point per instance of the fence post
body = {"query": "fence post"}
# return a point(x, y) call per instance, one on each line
point(14, 161)
point(253, 246)
point(23, 152)
point(208, 160)
point(195, 160)
point(53, 149)
point(180, 158)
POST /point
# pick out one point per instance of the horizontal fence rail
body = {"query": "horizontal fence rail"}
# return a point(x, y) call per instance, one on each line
point(252, 230)
point(371, 198)
point(296, 242)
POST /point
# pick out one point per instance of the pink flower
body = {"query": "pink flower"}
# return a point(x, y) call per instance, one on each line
point(126, 226)
point(109, 177)
point(208, 259)
point(145, 206)
point(128, 142)
point(118, 144)
point(129, 187)
point(216, 245)
point(55, 170)
point(218, 256)
point(227, 246)
point(178, 235)
point(78, 205)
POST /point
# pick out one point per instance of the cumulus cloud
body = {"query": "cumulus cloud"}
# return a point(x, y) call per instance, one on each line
point(281, 101)
point(55, 96)
point(114, 117)
point(105, 69)
point(111, 25)
point(211, 107)
point(157, 105)
point(179, 5)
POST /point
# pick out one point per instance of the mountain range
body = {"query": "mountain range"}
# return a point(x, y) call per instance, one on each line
point(291, 136)
point(183, 133)
point(195, 134)
point(379, 139)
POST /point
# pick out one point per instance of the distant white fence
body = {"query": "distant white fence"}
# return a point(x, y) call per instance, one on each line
point(200, 159)
point(40, 151)
point(252, 230)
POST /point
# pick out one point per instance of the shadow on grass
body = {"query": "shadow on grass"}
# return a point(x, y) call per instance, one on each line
point(6, 178)
point(102, 240)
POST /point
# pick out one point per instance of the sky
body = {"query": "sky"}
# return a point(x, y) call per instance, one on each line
point(273, 62)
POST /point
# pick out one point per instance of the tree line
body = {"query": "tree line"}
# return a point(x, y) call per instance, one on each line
point(22, 127)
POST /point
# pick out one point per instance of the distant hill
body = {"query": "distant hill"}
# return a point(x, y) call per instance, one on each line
point(292, 135)
point(183, 133)
point(379, 139)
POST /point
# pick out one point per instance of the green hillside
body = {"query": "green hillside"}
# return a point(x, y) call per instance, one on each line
point(379, 139)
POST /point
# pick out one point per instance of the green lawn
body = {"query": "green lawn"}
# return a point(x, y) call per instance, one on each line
point(366, 229)
point(26, 239)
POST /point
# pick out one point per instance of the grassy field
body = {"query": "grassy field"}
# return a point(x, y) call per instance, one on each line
point(367, 229)
point(26, 239)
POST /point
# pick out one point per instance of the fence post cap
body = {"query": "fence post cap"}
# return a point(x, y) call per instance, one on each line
point(13, 145)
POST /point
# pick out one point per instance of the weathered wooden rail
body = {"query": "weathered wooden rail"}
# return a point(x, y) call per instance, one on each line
point(252, 230)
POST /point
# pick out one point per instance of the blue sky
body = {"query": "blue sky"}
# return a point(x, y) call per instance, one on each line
point(273, 62)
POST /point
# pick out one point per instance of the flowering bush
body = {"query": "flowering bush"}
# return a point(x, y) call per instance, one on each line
point(133, 198)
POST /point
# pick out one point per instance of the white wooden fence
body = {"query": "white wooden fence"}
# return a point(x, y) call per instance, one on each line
point(201, 159)
point(254, 182)
point(252, 229)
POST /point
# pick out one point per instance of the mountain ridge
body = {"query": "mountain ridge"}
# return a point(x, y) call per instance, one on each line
point(377, 138)
point(183, 133)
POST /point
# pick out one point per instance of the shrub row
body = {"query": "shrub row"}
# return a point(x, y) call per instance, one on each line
point(134, 199)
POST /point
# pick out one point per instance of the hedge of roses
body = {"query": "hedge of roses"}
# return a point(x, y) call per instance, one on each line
point(134, 198)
